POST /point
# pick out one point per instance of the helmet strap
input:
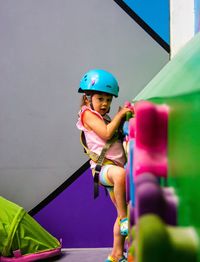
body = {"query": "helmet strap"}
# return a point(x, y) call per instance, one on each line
point(91, 105)
point(89, 98)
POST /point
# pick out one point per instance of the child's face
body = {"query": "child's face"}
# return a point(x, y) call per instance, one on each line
point(101, 103)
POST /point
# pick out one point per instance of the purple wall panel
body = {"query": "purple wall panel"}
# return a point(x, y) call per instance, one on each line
point(77, 218)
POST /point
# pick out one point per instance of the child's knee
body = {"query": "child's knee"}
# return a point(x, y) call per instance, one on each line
point(120, 175)
point(117, 175)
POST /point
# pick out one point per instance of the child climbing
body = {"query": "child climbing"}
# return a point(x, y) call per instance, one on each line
point(104, 147)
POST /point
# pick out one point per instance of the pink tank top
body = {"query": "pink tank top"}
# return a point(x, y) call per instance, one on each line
point(95, 143)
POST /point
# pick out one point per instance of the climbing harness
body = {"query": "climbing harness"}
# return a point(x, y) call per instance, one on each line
point(100, 160)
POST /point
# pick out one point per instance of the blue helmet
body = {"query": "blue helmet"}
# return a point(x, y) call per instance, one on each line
point(99, 80)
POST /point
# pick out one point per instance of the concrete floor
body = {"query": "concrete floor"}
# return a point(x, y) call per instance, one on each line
point(83, 255)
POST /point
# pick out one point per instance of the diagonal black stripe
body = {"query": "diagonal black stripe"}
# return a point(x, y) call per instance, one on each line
point(144, 25)
point(60, 189)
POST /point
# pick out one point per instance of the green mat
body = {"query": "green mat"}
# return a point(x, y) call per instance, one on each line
point(18, 230)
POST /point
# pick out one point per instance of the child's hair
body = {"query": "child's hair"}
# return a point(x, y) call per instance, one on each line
point(86, 96)
point(83, 100)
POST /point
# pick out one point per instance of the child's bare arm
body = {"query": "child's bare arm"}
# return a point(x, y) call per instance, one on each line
point(93, 122)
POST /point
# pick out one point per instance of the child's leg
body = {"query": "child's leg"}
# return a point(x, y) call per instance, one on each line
point(118, 241)
point(117, 176)
point(116, 186)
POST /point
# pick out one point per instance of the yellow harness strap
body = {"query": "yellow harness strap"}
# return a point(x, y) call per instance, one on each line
point(93, 156)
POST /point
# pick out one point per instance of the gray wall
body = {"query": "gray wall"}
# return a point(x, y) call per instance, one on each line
point(46, 46)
